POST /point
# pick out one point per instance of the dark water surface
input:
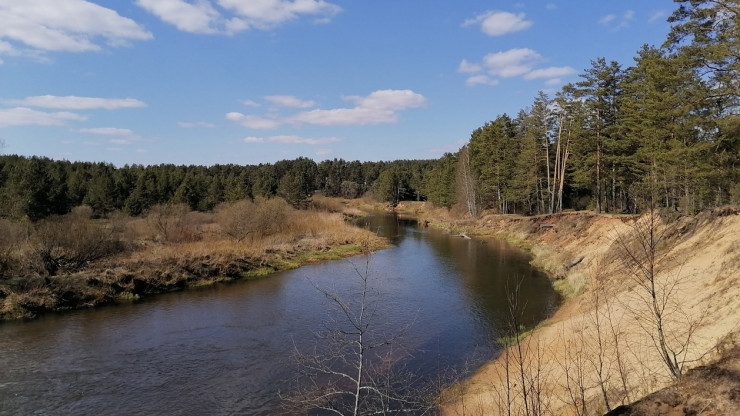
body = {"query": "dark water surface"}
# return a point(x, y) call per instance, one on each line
point(227, 350)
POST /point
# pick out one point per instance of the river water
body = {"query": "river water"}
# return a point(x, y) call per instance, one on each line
point(228, 349)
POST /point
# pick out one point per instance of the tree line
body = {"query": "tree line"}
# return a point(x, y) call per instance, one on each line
point(665, 129)
point(37, 187)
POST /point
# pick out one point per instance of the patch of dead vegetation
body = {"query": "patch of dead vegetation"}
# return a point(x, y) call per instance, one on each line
point(75, 261)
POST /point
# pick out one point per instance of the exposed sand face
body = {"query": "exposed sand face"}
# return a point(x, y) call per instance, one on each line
point(601, 345)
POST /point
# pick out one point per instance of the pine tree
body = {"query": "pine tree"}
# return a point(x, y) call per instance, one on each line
point(601, 89)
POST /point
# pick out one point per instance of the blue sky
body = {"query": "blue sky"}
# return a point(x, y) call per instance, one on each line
point(250, 81)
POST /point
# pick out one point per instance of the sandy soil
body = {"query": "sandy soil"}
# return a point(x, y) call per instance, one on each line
point(599, 350)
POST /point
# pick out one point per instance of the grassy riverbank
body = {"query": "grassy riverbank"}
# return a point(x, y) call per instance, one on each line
point(600, 351)
point(75, 261)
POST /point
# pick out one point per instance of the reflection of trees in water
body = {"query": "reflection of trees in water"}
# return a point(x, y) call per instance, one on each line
point(485, 266)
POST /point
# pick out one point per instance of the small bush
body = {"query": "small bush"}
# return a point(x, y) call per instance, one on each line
point(255, 220)
point(12, 236)
point(167, 220)
point(69, 243)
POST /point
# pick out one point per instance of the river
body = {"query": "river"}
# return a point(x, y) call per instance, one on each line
point(228, 349)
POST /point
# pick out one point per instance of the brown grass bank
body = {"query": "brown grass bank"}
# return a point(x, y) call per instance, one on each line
point(600, 351)
point(75, 261)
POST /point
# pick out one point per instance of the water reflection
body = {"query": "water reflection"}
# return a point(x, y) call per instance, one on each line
point(227, 349)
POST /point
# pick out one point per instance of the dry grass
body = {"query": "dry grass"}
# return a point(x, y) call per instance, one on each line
point(168, 249)
point(700, 253)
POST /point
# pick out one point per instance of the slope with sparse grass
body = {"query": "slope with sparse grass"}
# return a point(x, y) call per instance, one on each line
point(601, 350)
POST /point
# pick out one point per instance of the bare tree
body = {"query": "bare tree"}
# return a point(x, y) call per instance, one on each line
point(525, 377)
point(670, 328)
point(465, 183)
point(355, 367)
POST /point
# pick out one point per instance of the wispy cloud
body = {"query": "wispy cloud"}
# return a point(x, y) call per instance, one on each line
point(377, 108)
point(253, 122)
point(466, 67)
point(22, 116)
point(616, 22)
point(658, 15)
point(76, 103)
point(121, 141)
point(289, 101)
point(380, 107)
point(250, 103)
point(107, 131)
point(191, 124)
point(550, 73)
point(520, 62)
point(69, 26)
point(481, 80)
point(292, 140)
point(511, 63)
point(233, 16)
point(497, 23)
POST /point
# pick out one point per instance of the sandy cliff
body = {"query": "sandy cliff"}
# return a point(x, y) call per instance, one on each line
point(601, 349)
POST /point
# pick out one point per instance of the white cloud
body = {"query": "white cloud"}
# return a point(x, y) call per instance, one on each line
point(291, 140)
point(511, 63)
point(250, 103)
point(468, 68)
point(21, 116)
point(551, 6)
point(233, 16)
point(289, 101)
point(389, 99)
point(186, 124)
point(495, 23)
point(254, 122)
point(324, 152)
point(607, 19)
point(69, 25)
point(266, 13)
point(616, 22)
point(121, 141)
point(77, 103)
point(200, 17)
point(659, 15)
point(107, 131)
point(551, 72)
point(379, 107)
point(481, 80)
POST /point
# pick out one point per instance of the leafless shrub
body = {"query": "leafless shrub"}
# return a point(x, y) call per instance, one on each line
point(354, 369)
point(524, 371)
point(667, 323)
point(167, 220)
point(574, 367)
point(262, 218)
point(12, 236)
point(71, 242)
